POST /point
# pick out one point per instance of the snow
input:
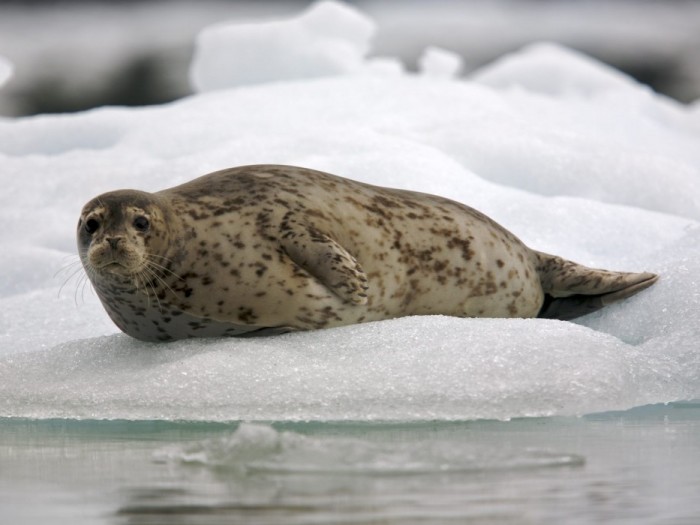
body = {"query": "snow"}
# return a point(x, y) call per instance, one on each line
point(538, 68)
point(571, 156)
point(328, 39)
point(438, 62)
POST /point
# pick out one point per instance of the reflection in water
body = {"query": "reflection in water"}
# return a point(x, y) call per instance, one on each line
point(640, 466)
point(260, 473)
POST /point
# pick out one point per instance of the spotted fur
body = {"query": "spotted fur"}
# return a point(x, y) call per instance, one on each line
point(267, 249)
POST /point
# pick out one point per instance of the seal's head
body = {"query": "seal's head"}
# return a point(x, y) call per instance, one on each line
point(123, 233)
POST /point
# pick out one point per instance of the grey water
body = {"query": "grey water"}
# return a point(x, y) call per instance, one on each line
point(638, 466)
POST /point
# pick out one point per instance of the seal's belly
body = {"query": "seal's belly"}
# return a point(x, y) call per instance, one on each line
point(144, 319)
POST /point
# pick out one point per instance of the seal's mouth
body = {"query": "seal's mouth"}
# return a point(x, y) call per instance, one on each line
point(113, 267)
point(116, 268)
point(108, 262)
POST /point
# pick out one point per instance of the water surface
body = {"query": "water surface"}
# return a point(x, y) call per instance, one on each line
point(638, 466)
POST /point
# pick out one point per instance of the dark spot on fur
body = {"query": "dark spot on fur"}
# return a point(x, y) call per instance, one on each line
point(462, 244)
point(246, 315)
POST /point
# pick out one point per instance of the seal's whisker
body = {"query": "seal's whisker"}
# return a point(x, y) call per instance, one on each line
point(161, 267)
point(141, 285)
point(149, 283)
point(77, 287)
point(141, 288)
point(161, 257)
point(156, 267)
point(159, 278)
point(68, 266)
point(144, 279)
point(82, 284)
point(74, 273)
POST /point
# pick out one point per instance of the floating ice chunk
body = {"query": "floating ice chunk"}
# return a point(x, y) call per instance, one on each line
point(551, 69)
point(249, 443)
point(5, 70)
point(440, 63)
point(384, 66)
point(330, 38)
point(260, 448)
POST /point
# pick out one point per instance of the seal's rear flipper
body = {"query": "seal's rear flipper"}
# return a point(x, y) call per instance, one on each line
point(572, 290)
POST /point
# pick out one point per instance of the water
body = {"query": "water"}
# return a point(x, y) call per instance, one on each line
point(637, 466)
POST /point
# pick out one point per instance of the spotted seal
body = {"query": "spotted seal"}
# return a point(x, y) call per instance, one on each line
point(268, 249)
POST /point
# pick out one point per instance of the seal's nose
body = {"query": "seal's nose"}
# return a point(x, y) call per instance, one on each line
point(114, 241)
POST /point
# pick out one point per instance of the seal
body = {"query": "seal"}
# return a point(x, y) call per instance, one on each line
point(268, 249)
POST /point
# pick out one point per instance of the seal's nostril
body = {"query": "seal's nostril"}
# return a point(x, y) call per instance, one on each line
point(113, 241)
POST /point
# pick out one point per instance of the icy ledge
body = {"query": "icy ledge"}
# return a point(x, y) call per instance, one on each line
point(426, 368)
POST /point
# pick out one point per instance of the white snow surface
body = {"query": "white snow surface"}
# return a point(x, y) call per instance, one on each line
point(569, 155)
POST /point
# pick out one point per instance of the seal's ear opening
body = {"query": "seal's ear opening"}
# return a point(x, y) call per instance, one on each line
point(573, 290)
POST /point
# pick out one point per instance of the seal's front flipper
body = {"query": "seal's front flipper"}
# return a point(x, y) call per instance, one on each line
point(326, 260)
point(572, 290)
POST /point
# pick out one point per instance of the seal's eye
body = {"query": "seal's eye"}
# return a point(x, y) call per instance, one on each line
point(141, 223)
point(92, 225)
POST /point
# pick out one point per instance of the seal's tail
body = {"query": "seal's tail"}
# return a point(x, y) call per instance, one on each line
point(572, 290)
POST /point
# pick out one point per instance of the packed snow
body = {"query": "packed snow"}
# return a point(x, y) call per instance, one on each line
point(573, 157)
